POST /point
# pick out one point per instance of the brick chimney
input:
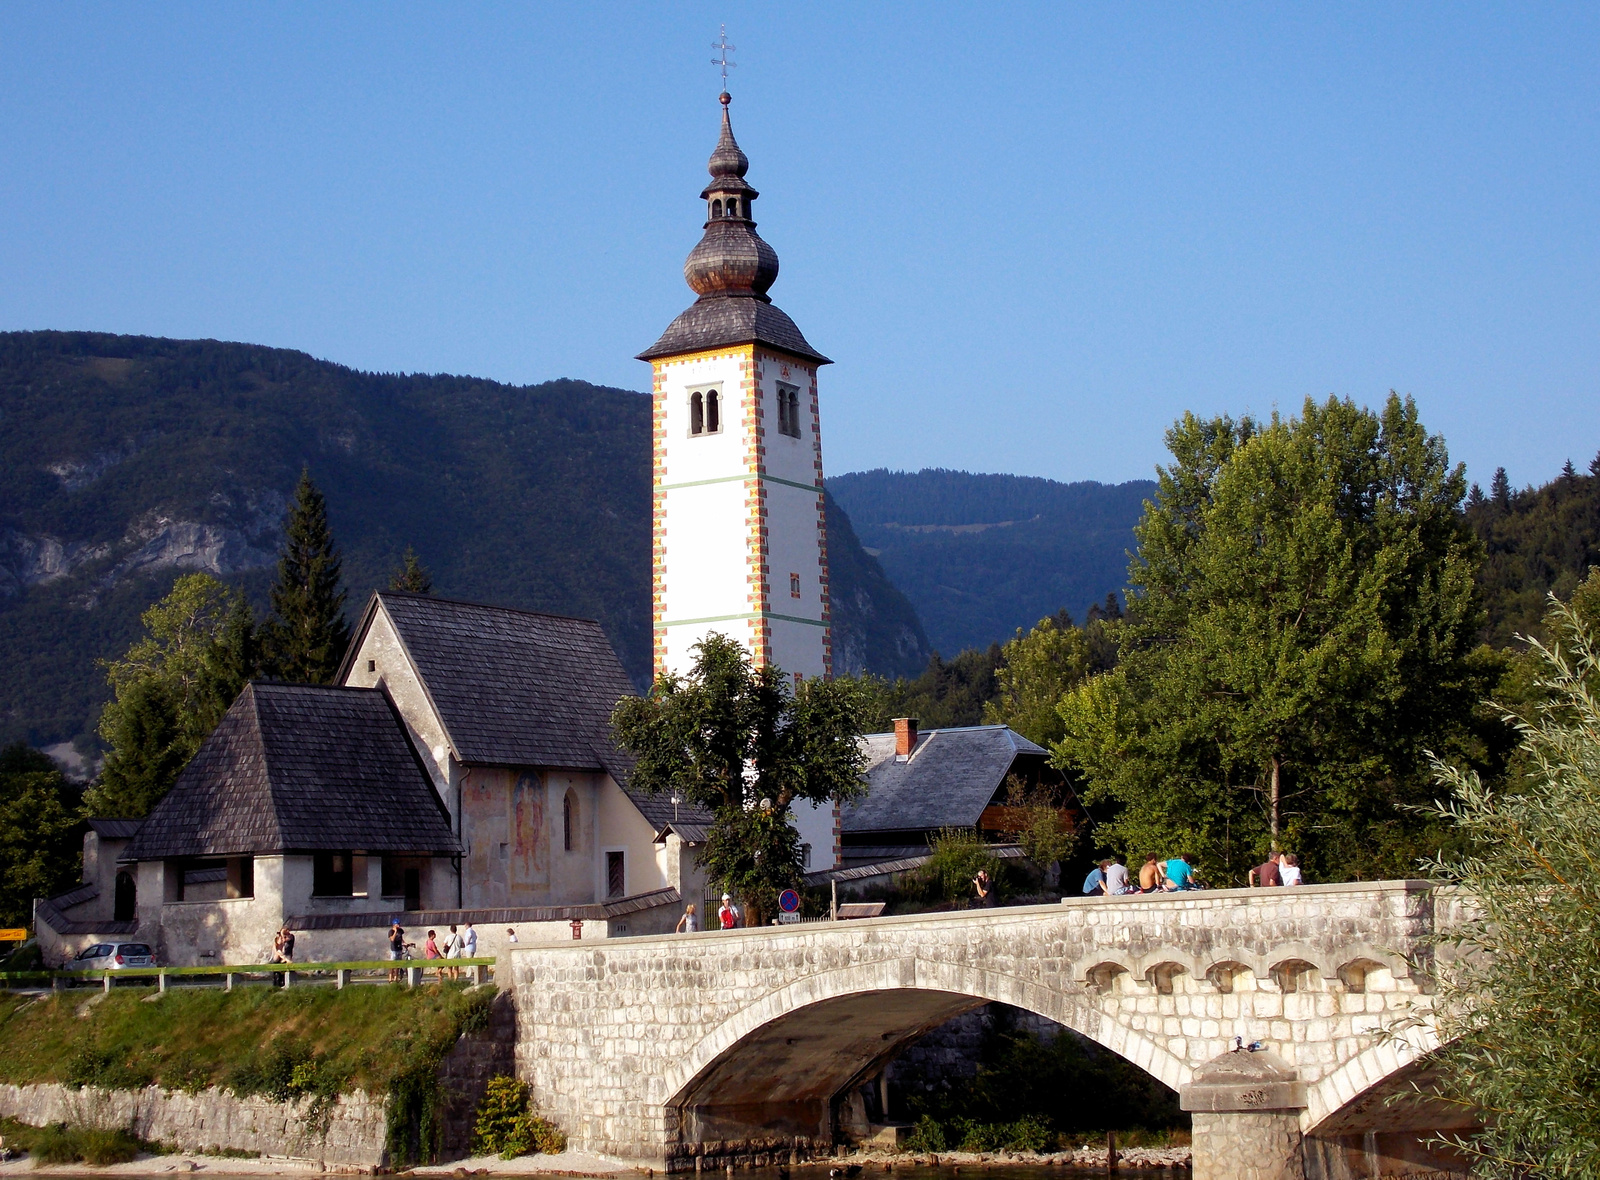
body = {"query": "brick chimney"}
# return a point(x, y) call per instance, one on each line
point(905, 736)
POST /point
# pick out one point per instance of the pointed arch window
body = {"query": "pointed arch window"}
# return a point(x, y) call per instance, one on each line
point(569, 821)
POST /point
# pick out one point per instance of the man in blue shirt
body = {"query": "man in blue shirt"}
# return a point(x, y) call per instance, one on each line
point(1095, 882)
point(1180, 874)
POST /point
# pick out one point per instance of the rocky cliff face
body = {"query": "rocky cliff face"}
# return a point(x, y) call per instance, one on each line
point(126, 461)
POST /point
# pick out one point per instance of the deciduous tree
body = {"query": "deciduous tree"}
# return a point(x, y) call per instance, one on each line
point(737, 740)
point(1036, 671)
point(40, 849)
point(1519, 1002)
point(1300, 631)
point(170, 690)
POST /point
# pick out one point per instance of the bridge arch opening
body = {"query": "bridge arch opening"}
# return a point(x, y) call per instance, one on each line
point(793, 1072)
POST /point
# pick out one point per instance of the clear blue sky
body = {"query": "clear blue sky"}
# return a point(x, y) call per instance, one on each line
point(1030, 235)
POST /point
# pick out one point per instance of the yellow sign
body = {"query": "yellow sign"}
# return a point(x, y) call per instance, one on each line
point(20, 934)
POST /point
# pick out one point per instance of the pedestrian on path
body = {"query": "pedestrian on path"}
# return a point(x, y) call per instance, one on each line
point(690, 922)
point(728, 915)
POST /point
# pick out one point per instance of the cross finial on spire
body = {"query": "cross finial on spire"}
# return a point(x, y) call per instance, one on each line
point(722, 60)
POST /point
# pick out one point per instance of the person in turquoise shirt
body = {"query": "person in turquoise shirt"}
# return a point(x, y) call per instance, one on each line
point(1180, 874)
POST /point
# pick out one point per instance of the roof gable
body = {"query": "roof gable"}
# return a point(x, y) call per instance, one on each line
point(511, 687)
point(295, 767)
point(949, 779)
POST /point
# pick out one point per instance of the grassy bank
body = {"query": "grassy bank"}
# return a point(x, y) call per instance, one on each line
point(358, 1038)
point(285, 1044)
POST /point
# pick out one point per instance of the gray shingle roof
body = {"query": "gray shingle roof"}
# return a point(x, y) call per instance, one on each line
point(950, 778)
point(518, 688)
point(300, 768)
point(717, 320)
point(115, 829)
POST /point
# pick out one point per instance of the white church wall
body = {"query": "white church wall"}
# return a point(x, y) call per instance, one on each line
point(704, 559)
point(572, 881)
point(622, 829)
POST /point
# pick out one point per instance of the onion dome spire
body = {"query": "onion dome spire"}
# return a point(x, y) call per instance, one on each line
point(730, 258)
point(731, 268)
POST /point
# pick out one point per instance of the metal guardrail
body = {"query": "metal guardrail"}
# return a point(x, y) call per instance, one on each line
point(409, 971)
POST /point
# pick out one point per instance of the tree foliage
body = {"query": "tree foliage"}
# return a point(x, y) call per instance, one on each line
point(411, 576)
point(170, 690)
point(737, 740)
point(1519, 1002)
point(40, 847)
point(1038, 669)
point(1300, 632)
point(305, 637)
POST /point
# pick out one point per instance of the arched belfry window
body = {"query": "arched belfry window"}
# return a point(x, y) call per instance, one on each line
point(789, 411)
point(705, 412)
point(569, 821)
point(697, 414)
point(733, 207)
point(716, 208)
point(713, 411)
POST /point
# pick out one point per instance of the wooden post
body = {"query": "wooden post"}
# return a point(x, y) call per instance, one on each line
point(288, 979)
point(227, 981)
point(480, 975)
point(161, 981)
point(1111, 1151)
point(414, 976)
point(341, 977)
point(833, 904)
point(105, 981)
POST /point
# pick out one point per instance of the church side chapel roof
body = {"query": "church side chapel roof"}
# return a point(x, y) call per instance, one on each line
point(949, 779)
point(731, 270)
point(300, 768)
point(517, 688)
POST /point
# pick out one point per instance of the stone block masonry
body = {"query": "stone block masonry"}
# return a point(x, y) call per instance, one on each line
point(675, 1049)
point(354, 1134)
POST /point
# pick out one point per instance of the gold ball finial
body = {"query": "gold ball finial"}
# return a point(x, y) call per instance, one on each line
point(724, 98)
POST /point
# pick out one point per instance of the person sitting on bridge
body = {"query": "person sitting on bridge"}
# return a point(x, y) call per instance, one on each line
point(1095, 883)
point(1117, 878)
point(1289, 869)
point(1266, 874)
point(1179, 874)
point(1150, 877)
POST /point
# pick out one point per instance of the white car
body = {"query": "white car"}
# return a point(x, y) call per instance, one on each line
point(114, 956)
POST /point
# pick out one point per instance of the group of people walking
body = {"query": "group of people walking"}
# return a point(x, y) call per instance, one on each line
point(461, 944)
point(1110, 877)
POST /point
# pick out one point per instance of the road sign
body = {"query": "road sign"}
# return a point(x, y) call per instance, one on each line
point(19, 934)
point(786, 919)
point(789, 901)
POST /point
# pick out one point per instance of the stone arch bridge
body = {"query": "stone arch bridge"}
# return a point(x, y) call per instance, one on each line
point(694, 1051)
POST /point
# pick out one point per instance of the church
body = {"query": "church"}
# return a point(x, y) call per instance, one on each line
point(462, 768)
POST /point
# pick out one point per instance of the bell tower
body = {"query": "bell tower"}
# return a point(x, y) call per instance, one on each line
point(739, 542)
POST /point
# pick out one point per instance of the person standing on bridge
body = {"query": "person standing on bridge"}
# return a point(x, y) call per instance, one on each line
point(984, 888)
point(690, 922)
point(1267, 874)
point(728, 915)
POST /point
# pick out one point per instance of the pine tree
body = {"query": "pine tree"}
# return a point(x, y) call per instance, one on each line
point(305, 638)
point(1500, 489)
point(1568, 471)
point(411, 576)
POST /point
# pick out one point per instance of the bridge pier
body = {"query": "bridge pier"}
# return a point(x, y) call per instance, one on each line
point(1246, 1110)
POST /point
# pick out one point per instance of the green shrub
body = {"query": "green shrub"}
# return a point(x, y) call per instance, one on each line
point(506, 1125)
point(94, 1066)
point(70, 1145)
point(926, 1136)
point(958, 854)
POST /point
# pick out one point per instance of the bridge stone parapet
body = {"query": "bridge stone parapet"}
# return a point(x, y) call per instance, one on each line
point(692, 1049)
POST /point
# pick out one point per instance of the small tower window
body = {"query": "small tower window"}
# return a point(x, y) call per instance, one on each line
point(789, 411)
point(794, 585)
point(713, 411)
point(733, 207)
point(705, 412)
point(569, 820)
point(716, 208)
point(697, 415)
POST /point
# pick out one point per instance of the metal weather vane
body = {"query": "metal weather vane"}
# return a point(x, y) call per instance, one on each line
point(722, 60)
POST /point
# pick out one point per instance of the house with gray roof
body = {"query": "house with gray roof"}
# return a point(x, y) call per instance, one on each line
point(921, 782)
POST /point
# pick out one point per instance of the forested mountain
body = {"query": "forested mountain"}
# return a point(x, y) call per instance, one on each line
point(981, 555)
point(125, 461)
point(1535, 541)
